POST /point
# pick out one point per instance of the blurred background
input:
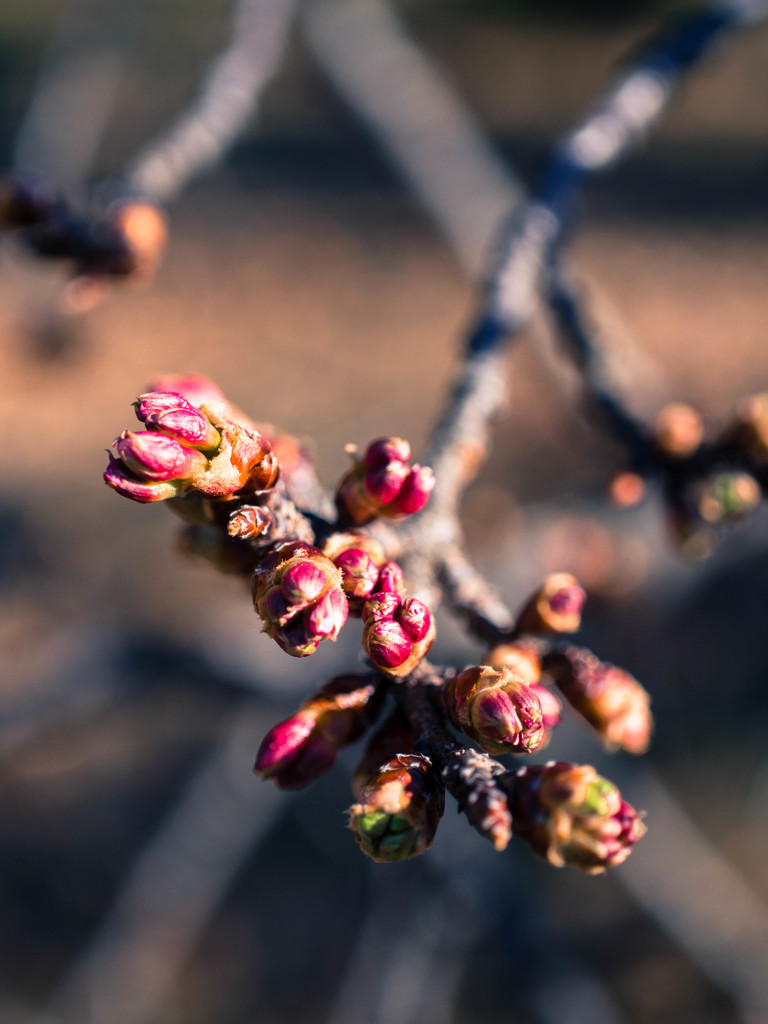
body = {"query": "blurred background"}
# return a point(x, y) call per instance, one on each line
point(145, 874)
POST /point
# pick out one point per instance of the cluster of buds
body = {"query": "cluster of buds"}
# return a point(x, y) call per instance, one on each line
point(524, 661)
point(364, 568)
point(383, 484)
point(397, 632)
point(571, 815)
point(398, 809)
point(188, 449)
point(303, 747)
point(609, 698)
point(297, 593)
point(498, 710)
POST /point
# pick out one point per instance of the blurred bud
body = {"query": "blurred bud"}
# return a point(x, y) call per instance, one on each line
point(193, 387)
point(627, 489)
point(391, 579)
point(571, 815)
point(495, 709)
point(399, 809)
point(152, 403)
point(610, 699)
point(381, 483)
point(556, 606)
point(300, 749)
point(153, 456)
point(727, 497)
point(397, 633)
point(521, 658)
point(119, 478)
point(144, 230)
point(249, 522)
point(551, 711)
point(297, 592)
point(679, 430)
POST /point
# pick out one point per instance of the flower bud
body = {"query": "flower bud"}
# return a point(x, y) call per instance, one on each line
point(391, 579)
point(359, 572)
point(399, 809)
point(495, 709)
point(187, 425)
point(679, 430)
point(120, 479)
point(381, 483)
point(556, 606)
point(249, 522)
point(193, 387)
point(415, 492)
point(551, 711)
point(397, 633)
point(611, 700)
point(144, 230)
point(571, 815)
point(297, 592)
point(153, 456)
point(300, 749)
point(152, 403)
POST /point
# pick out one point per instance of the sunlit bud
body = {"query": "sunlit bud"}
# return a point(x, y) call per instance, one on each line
point(380, 607)
point(118, 477)
point(391, 579)
point(250, 521)
point(571, 815)
point(329, 613)
point(304, 746)
point(144, 229)
point(399, 809)
point(414, 616)
point(303, 583)
point(382, 483)
point(360, 572)
point(679, 430)
point(551, 707)
point(610, 699)
point(187, 425)
point(386, 450)
point(415, 492)
point(152, 456)
point(627, 489)
point(727, 496)
point(387, 644)
point(495, 709)
point(521, 658)
point(152, 403)
point(194, 387)
point(297, 592)
point(392, 737)
point(556, 606)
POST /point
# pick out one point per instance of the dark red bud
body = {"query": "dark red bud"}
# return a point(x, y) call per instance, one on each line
point(380, 606)
point(415, 618)
point(391, 579)
point(387, 644)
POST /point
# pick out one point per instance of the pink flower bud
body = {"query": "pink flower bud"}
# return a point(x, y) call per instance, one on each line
point(385, 450)
point(156, 457)
point(187, 425)
point(124, 482)
point(415, 492)
point(380, 607)
point(391, 579)
point(496, 709)
point(303, 583)
point(326, 617)
point(551, 707)
point(283, 742)
point(154, 402)
point(387, 644)
point(556, 606)
point(415, 618)
point(359, 572)
point(384, 483)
